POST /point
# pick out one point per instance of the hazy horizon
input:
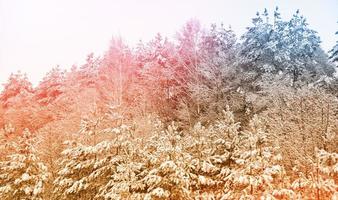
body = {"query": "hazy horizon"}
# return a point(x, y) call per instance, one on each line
point(38, 35)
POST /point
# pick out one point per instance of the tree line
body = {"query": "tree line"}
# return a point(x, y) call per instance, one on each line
point(154, 122)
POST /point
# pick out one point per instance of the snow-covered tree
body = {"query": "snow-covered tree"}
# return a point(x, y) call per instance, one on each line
point(286, 46)
point(50, 87)
point(76, 166)
point(306, 115)
point(218, 40)
point(334, 52)
point(213, 78)
point(6, 135)
point(169, 175)
point(116, 72)
point(16, 99)
point(22, 174)
point(257, 167)
point(320, 181)
point(255, 45)
point(86, 170)
point(78, 161)
point(189, 39)
point(17, 85)
point(157, 76)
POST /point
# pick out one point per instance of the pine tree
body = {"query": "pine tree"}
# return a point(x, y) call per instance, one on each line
point(157, 76)
point(303, 42)
point(334, 52)
point(22, 174)
point(50, 87)
point(284, 46)
point(257, 166)
point(320, 182)
point(221, 150)
point(169, 172)
point(78, 161)
point(255, 47)
point(18, 84)
point(17, 97)
point(74, 180)
point(217, 41)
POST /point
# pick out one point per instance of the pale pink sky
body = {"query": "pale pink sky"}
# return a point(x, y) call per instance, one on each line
point(36, 35)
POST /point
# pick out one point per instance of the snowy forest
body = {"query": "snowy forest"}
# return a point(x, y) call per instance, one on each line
point(204, 115)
